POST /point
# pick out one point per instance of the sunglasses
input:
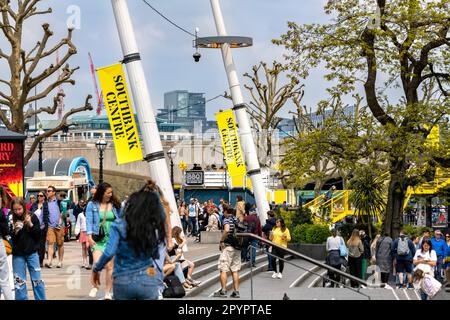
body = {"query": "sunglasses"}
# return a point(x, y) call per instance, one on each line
point(41, 195)
point(50, 190)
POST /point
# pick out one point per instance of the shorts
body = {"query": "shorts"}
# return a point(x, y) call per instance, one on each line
point(55, 235)
point(83, 237)
point(404, 266)
point(230, 260)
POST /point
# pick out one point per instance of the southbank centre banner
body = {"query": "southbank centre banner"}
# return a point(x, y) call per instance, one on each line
point(234, 157)
point(11, 168)
point(120, 114)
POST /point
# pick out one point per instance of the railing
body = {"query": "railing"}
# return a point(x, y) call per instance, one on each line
point(312, 261)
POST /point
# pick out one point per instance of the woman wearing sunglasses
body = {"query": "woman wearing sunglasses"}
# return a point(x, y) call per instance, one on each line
point(40, 209)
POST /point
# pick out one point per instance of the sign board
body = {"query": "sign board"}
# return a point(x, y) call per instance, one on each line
point(194, 177)
point(11, 167)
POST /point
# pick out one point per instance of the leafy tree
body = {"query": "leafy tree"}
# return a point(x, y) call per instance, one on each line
point(27, 69)
point(367, 193)
point(406, 43)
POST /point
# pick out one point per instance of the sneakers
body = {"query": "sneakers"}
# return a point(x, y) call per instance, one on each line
point(220, 294)
point(59, 265)
point(410, 286)
point(279, 276)
point(48, 265)
point(386, 286)
point(108, 296)
point(235, 294)
point(193, 282)
point(93, 292)
point(274, 275)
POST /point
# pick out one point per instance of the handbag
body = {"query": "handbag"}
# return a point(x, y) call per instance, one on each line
point(8, 247)
point(343, 252)
point(101, 230)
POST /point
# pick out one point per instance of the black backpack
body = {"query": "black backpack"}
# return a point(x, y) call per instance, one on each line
point(174, 288)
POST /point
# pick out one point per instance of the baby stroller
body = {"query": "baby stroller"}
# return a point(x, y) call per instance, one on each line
point(327, 279)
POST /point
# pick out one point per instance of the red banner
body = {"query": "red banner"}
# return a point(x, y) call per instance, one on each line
point(11, 168)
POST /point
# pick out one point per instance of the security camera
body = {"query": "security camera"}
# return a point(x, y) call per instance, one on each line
point(196, 56)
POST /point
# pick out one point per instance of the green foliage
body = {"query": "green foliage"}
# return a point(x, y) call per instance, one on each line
point(310, 233)
point(287, 217)
point(301, 216)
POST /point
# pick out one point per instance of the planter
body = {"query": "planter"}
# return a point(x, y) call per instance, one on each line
point(315, 251)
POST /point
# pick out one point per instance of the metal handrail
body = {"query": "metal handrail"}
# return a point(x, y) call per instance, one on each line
point(311, 260)
point(357, 290)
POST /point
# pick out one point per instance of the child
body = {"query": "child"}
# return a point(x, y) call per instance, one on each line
point(80, 228)
point(427, 284)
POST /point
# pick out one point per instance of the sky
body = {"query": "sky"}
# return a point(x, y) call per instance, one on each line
point(167, 51)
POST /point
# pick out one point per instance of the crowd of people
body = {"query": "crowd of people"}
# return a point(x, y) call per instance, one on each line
point(421, 263)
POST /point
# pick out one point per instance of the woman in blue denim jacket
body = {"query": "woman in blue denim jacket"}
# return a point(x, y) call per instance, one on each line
point(134, 242)
point(102, 211)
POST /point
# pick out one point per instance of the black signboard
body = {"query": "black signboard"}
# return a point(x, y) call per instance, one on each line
point(194, 177)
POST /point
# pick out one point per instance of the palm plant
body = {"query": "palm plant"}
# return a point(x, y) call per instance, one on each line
point(367, 194)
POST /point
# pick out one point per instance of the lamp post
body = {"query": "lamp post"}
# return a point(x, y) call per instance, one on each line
point(171, 154)
point(101, 146)
point(226, 43)
point(38, 133)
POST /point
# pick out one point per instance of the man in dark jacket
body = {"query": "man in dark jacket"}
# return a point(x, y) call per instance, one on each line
point(270, 224)
point(253, 226)
point(367, 254)
point(43, 224)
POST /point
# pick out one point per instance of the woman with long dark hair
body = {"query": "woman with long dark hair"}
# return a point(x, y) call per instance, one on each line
point(25, 239)
point(279, 235)
point(134, 241)
point(425, 260)
point(40, 209)
point(100, 214)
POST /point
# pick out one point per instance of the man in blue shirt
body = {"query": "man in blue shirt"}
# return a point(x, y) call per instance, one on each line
point(55, 233)
point(439, 245)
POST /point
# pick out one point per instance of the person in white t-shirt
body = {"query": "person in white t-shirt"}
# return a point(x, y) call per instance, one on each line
point(425, 260)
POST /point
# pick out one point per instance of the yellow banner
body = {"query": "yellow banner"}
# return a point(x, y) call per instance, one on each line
point(120, 114)
point(234, 157)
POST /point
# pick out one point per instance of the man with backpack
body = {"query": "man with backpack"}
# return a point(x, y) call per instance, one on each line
point(403, 251)
point(230, 257)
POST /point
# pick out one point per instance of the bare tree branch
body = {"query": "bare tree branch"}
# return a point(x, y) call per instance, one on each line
point(87, 107)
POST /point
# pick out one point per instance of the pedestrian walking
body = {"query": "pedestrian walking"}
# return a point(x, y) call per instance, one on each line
point(271, 221)
point(134, 241)
point(253, 226)
point(439, 246)
point(367, 253)
point(383, 257)
point(25, 247)
point(403, 251)
point(355, 256)
point(5, 238)
point(334, 258)
point(100, 214)
point(55, 233)
point(280, 235)
point(230, 257)
point(182, 210)
point(192, 218)
point(80, 232)
point(40, 209)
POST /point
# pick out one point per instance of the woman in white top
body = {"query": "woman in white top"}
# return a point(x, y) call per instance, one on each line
point(80, 228)
point(213, 221)
point(425, 260)
point(178, 243)
point(334, 258)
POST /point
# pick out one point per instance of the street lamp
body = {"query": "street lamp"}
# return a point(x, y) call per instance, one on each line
point(38, 133)
point(101, 146)
point(171, 154)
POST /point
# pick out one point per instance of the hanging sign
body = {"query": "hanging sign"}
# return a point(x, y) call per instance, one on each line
point(234, 157)
point(120, 114)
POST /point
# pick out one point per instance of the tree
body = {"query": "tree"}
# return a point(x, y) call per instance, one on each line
point(25, 69)
point(268, 98)
point(407, 43)
point(367, 193)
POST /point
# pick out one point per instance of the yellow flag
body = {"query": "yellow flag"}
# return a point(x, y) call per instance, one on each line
point(120, 114)
point(232, 151)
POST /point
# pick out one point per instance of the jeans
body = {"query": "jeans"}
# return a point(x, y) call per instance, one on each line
point(20, 264)
point(193, 225)
point(4, 273)
point(269, 258)
point(438, 269)
point(423, 295)
point(137, 285)
point(253, 243)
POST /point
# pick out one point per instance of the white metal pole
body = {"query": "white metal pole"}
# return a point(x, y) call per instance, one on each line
point(245, 133)
point(147, 122)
